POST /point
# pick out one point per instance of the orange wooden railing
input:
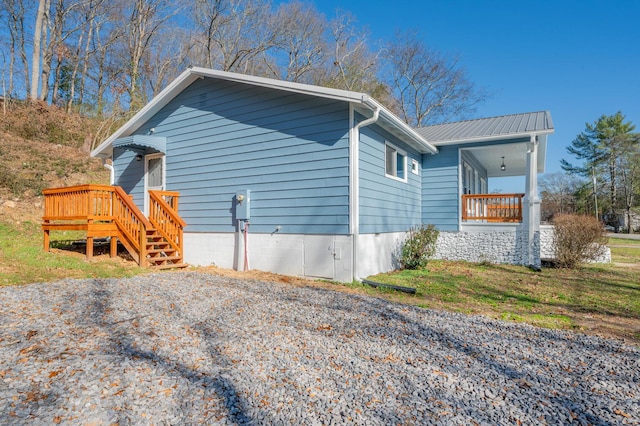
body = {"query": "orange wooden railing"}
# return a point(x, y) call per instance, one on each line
point(96, 205)
point(163, 214)
point(84, 202)
point(132, 224)
point(492, 207)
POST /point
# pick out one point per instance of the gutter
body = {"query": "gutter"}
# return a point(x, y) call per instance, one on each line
point(399, 124)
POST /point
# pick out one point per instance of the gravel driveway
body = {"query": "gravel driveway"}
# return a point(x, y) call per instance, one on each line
point(193, 348)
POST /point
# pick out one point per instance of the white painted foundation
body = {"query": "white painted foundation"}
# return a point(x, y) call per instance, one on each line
point(317, 256)
point(378, 253)
point(331, 256)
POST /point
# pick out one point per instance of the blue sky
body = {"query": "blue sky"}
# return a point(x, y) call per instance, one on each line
point(578, 59)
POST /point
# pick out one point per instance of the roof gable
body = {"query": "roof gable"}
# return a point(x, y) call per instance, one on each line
point(362, 102)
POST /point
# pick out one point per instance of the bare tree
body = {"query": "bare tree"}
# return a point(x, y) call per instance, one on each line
point(104, 64)
point(430, 87)
point(299, 46)
point(231, 35)
point(142, 22)
point(41, 20)
point(628, 165)
point(354, 66)
point(558, 191)
point(208, 16)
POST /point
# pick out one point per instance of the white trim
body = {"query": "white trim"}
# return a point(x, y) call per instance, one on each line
point(404, 159)
point(460, 188)
point(146, 177)
point(493, 138)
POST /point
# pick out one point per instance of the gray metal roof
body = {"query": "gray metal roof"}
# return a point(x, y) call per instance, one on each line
point(487, 128)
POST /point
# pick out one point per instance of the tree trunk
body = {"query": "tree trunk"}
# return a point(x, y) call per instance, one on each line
point(37, 50)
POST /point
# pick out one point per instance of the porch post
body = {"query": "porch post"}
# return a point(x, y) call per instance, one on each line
point(531, 204)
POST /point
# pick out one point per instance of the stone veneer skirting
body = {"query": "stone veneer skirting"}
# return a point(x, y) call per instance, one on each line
point(496, 246)
point(507, 246)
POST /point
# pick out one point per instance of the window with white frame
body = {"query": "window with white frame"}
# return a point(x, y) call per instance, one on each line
point(395, 163)
point(415, 167)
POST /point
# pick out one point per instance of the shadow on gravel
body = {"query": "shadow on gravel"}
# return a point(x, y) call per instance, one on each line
point(122, 346)
point(524, 389)
point(523, 376)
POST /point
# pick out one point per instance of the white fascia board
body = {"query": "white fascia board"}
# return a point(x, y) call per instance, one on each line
point(493, 138)
point(307, 89)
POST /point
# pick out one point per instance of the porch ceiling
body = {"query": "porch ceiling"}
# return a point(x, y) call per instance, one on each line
point(515, 158)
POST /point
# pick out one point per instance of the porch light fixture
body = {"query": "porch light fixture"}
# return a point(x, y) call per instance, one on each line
point(139, 157)
point(502, 166)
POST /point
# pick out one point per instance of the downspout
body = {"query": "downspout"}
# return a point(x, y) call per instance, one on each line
point(109, 167)
point(354, 165)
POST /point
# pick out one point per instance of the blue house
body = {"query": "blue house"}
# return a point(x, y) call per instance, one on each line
point(312, 181)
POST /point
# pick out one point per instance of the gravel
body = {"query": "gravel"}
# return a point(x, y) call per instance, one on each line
point(194, 348)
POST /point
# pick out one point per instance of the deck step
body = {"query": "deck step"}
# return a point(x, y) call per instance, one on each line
point(166, 251)
point(170, 266)
point(163, 258)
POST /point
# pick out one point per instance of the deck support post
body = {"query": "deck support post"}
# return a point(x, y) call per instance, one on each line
point(89, 248)
point(89, 240)
point(47, 241)
point(113, 246)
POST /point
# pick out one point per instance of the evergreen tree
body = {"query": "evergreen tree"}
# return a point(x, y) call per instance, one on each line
point(600, 148)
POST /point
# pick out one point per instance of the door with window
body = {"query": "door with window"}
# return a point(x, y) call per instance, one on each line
point(154, 177)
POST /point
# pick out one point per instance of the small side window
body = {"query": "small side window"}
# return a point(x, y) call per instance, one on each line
point(395, 163)
point(415, 169)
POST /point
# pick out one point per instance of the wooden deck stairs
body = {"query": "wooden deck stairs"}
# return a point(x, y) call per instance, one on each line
point(107, 211)
point(160, 254)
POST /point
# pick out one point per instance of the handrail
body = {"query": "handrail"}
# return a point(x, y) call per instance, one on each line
point(492, 207)
point(165, 219)
point(171, 197)
point(131, 222)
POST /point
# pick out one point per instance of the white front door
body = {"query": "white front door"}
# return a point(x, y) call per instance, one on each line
point(154, 176)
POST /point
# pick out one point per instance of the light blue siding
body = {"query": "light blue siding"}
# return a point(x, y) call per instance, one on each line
point(129, 174)
point(290, 150)
point(440, 189)
point(386, 204)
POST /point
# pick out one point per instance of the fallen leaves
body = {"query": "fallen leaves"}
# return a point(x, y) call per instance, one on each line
point(622, 413)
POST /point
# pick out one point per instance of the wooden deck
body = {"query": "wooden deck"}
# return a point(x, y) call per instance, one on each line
point(107, 211)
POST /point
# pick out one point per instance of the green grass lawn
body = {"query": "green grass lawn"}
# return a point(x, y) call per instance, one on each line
point(23, 260)
point(601, 297)
point(625, 251)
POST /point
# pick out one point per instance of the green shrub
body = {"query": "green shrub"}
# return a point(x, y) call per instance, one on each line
point(577, 239)
point(419, 246)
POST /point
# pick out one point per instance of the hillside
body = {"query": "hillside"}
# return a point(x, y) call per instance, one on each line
point(42, 147)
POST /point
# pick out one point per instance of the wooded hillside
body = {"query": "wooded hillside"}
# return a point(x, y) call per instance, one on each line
point(107, 58)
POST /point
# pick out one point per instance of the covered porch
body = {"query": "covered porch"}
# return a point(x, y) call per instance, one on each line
point(485, 170)
point(497, 161)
